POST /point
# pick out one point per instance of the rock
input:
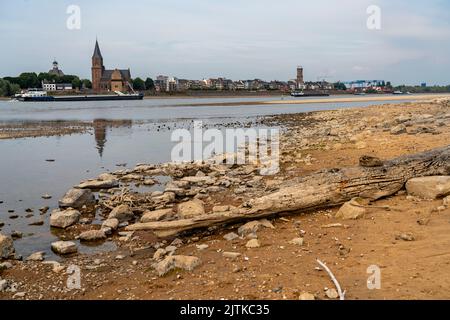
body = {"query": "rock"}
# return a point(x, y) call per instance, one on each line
point(253, 226)
point(297, 241)
point(16, 234)
point(181, 262)
point(46, 196)
point(2, 224)
point(253, 243)
point(433, 187)
point(156, 215)
point(3, 285)
point(401, 128)
point(104, 181)
point(405, 237)
point(37, 256)
point(230, 236)
point(190, 209)
point(38, 222)
point(306, 296)
point(92, 235)
point(122, 213)
point(369, 161)
point(112, 223)
point(65, 218)
point(332, 294)
point(446, 201)
point(231, 255)
point(222, 208)
point(64, 247)
point(44, 210)
point(351, 210)
point(6, 247)
point(202, 247)
point(5, 265)
point(159, 254)
point(149, 182)
point(77, 198)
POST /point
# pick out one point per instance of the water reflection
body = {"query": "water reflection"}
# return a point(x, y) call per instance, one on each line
point(100, 128)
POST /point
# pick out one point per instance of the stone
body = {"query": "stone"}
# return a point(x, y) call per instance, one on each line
point(446, 201)
point(253, 243)
point(253, 226)
point(104, 181)
point(433, 187)
point(46, 196)
point(399, 129)
point(405, 237)
point(331, 294)
point(297, 241)
point(351, 210)
point(3, 285)
point(187, 263)
point(122, 213)
point(112, 223)
point(44, 210)
point(64, 247)
point(306, 296)
point(221, 208)
point(38, 222)
point(159, 254)
point(77, 198)
point(202, 247)
point(190, 209)
point(231, 255)
point(230, 236)
point(5, 265)
point(149, 182)
point(6, 247)
point(156, 215)
point(37, 256)
point(92, 235)
point(64, 218)
point(369, 162)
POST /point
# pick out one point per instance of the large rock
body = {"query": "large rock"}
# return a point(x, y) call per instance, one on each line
point(122, 213)
point(64, 247)
point(401, 128)
point(253, 226)
point(190, 209)
point(104, 181)
point(157, 215)
point(112, 224)
point(77, 198)
point(92, 235)
point(352, 209)
point(64, 219)
point(429, 187)
point(181, 262)
point(6, 247)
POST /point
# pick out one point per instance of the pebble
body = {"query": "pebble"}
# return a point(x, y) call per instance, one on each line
point(331, 293)
point(231, 255)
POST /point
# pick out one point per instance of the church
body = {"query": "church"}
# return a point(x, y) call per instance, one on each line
point(108, 80)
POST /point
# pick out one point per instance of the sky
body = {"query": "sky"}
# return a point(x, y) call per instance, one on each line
point(236, 39)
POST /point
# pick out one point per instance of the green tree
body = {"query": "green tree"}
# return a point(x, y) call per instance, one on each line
point(149, 84)
point(87, 84)
point(138, 84)
point(339, 86)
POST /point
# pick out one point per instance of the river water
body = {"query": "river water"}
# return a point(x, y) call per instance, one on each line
point(25, 175)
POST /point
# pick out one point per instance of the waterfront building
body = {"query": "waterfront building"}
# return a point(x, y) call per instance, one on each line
point(108, 80)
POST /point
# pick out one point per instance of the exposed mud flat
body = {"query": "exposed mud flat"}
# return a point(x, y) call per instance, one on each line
point(266, 260)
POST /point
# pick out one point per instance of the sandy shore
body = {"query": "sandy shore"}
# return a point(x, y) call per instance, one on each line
point(277, 268)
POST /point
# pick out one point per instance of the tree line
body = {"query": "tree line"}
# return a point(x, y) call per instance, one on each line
point(12, 85)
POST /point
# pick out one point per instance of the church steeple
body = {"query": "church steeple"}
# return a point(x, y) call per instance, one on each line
point(97, 67)
point(97, 53)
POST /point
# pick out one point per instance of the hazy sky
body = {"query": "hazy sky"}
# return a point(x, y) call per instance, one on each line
point(237, 39)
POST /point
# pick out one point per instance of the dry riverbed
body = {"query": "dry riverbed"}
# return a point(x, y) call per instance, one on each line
point(405, 236)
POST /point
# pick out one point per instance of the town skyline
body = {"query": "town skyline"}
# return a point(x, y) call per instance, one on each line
point(270, 49)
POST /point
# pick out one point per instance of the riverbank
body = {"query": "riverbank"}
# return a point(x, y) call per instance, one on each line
point(242, 268)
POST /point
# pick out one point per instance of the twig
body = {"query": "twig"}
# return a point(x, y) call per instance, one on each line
point(333, 278)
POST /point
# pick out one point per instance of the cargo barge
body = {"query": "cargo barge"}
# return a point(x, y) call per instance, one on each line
point(41, 96)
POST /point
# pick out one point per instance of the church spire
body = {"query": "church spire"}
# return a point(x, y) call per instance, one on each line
point(97, 53)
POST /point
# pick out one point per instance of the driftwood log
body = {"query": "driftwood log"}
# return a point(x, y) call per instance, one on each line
point(326, 188)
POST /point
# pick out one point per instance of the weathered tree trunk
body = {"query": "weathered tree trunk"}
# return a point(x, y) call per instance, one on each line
point(322, 189)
